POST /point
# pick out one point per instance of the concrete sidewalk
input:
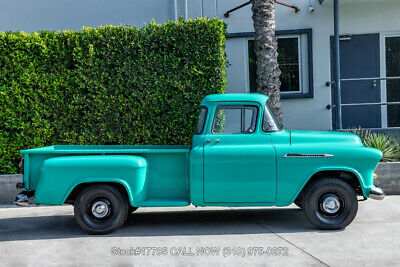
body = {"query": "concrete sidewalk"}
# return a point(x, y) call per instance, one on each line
point(42, 236)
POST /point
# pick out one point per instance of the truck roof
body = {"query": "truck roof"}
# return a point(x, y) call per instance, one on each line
point(260, 98)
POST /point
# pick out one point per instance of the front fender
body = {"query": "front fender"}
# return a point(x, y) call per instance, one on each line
point(59, 176)
point(295, 172)
point(364, 188)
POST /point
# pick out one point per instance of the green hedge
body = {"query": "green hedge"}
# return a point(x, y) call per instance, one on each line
point(108, 85)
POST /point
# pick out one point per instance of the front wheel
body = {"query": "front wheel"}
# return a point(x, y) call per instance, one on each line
point(330, 204)
point(100, 209)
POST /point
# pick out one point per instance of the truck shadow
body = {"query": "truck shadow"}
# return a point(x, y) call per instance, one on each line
point(168, 223)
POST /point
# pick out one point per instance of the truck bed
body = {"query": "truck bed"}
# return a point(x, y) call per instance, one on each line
point(167, 168)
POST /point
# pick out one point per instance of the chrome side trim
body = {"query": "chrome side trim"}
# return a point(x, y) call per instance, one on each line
point(298, 155)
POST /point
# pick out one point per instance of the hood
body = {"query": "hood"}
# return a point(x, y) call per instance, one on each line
point(319, 137)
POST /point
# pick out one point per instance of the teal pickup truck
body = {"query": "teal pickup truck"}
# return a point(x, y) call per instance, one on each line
point(240, 156)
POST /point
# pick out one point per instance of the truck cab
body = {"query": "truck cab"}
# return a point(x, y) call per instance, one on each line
point(233, 137)
point(240, 156)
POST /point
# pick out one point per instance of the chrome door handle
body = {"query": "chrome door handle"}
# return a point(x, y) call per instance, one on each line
point(212, 140)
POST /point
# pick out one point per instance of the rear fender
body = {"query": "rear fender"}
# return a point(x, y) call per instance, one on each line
point(59, 176)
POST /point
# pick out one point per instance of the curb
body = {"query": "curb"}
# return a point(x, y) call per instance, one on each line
point(388, 177)
point(7, 187)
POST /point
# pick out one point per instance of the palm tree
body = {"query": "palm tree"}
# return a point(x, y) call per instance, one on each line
point(266, 46)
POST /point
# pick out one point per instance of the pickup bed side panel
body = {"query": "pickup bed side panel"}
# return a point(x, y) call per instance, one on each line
point(60, 175)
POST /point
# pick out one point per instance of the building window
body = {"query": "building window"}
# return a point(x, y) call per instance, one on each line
point(289, 64)
point(294, 59)
point(392, 54)
point(288, 59)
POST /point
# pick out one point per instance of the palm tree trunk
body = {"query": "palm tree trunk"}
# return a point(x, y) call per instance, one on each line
point(266, 50)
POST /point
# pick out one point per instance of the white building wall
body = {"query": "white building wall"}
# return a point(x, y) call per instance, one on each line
point(34, 15)
point(357, 16)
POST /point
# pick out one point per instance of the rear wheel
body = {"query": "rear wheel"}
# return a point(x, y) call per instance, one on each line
point(330, 204)
point(100, 209)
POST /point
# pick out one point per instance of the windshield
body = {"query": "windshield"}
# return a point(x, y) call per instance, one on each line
point(270, 122)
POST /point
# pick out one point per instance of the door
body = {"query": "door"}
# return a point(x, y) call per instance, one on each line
point(392, 70)
point(239, 159)
point(359, 58)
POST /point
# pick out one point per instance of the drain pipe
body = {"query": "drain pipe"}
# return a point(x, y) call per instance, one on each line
point(176, 9)
point(339, 125)
point(186, 9)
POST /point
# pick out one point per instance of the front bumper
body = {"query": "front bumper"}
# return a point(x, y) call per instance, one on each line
point(376, 193)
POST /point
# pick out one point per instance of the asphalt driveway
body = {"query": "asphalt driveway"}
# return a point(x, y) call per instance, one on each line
point(41, 236)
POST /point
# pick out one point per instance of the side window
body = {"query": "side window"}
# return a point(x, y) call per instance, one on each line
point(202, 120)
point(234, 120)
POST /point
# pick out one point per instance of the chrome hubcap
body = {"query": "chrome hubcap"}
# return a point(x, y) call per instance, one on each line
point(330, 204)
point(100, 209)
